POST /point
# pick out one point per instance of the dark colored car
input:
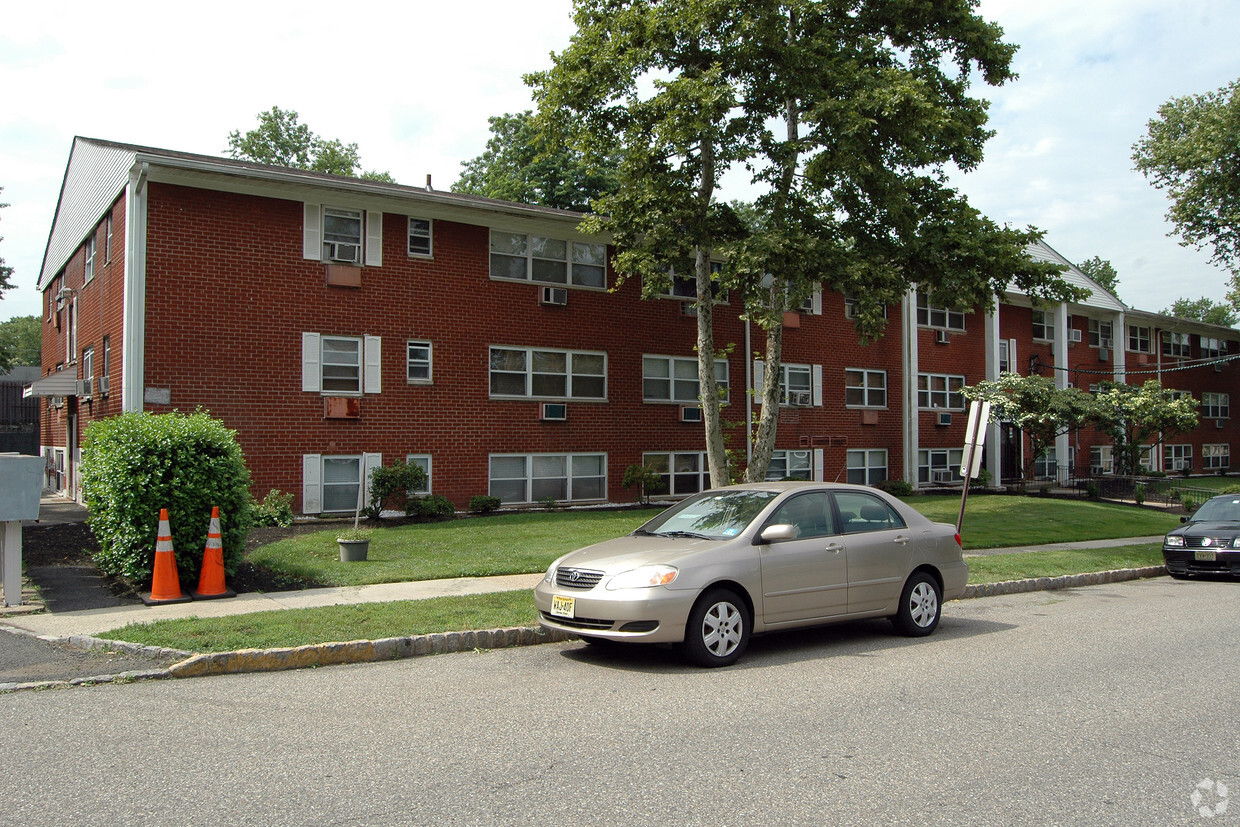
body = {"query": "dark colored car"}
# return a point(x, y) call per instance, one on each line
point(1209, 540)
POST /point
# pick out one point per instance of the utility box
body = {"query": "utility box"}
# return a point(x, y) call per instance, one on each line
point(21, 484)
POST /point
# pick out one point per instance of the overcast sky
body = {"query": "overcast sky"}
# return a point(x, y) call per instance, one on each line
point(413, 84)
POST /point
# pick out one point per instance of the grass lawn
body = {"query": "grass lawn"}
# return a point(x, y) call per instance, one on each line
point(299, 627)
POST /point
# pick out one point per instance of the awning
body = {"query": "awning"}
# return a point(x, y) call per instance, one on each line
point(63, 383)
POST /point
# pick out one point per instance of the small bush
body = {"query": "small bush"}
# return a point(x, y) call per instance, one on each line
point(390, 486)
point(647, 480)
point(429, 508)
point(482, 504)
point(1190, 503)
point(548, 502)
point(137, 463)
point(1138, 494)
point(276, 509)
point(896, 488)
point(1093, 490)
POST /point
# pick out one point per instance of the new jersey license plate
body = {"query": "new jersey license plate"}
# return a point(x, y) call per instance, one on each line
point(562, 606)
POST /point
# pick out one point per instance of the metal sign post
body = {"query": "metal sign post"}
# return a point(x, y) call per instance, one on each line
point(974, 440)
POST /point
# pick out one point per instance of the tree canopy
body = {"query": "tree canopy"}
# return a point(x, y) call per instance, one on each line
point(521, 164)
point(846, 117)
point(1036, 406)
point(1192, 150)
point(1204, 310)
point(21, 342)
point(6, 272)
point(1136, 416)
point(1101, 271)
point(281, 141)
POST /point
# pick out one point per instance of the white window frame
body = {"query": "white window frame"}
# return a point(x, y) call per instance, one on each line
point(797, 463)
point(1102, 456)
point(580, 267)
point(802, 372)
point(865, 466)
point(670, 461)
point(423, 461)
point(323, 363)
point(412, 362)
point(1177, 456)
point(530, 477)
point(340, 238)
point(530, 373)
point(420, 230)
point(872, 382)
point(675, 380)
point(88, 362)
point(1101, 331)
point(107, 239)
point(1215, 405)
point(939, 459)
point(684, 288)
point(927, 393)
point(1140, 339)
point(1176, 345)
point(1046, 467)
point(1043, 325)
point(1215, 456)
point(1212, 348)
point(89, 249)
point(850, 307)
point(938, 318)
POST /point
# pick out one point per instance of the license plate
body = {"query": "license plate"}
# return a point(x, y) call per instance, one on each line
point(1205, 556)
point(562, 606)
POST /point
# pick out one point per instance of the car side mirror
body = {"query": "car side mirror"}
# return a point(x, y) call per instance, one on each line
point(1184, 519)
point(779, 531)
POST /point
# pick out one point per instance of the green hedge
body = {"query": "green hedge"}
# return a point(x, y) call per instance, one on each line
point(137, 463)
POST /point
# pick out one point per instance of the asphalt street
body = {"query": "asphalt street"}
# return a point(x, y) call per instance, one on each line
point(1102, 705)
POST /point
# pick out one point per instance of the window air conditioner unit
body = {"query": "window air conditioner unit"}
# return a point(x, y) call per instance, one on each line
point(1107, 343)
point(103, 385)
point(1074, 336)
point(944, 419)
point(1218, 423)
point(942, 337)
point(1096, 471)
point(86, 387)
point(1095, 387)
point(800, 399)
point(1104, 355)
point(557, 296)
point(690, 413)
point(940, 476)
point(343, 252)
point(554, 411)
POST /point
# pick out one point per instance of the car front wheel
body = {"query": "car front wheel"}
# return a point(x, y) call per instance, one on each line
point(920, 606)
point(718, 629)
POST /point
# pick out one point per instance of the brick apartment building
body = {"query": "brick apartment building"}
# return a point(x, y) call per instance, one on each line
point(337, 324)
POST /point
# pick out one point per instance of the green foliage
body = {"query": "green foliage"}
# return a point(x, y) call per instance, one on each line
point(390, 486)
point(429, 508)
point(1133, 416)
point(647, 480)
point(482, 504)
point(137, 463)
point(1093, 490)
point(522, 164)
point(1204, 310)
point(548, 501)
point(1138, 494)
point(21, 341)
point(281, 141)
point(1190, 503)
point(1035, 405)
point(276, 509)
point(1192, 150)
point(5, 271)
point(1101, 271)
point(896, 488)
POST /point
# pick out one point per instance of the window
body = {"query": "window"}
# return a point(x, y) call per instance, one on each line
point(342, 479)
point(1215, 406)
point(547, 260)
point(341, 359)
point(423, 461)
point(675, 379)
point(1139, 339)
point(529, 478)
point(1046, 466)
point(1175, 344)
point(796, 385)
point(939, 465)
point(852, 308)
point(88, 365)
point(866, 466)
point(1100, 333)
point(930, 316)
point(936, 390)
point(342, 235)
point(681, 473)
point(1215, 456)
point(1101, 459)
point(865, 388)
point(1043, 325)
point(418, 362)
point(1146, 460)
point(88, 253)
point(1213, 348)
point(419, 237)
point(1177, 457)
point(797, 465)
point(865, 512)
point(107, 239)
point(685, 286)
point(1007, 356)
point(107, 356)
point(548, 374)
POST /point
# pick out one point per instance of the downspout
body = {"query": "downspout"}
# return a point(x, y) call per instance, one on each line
point(912, 415)
point(748, 396)
point(133, 330)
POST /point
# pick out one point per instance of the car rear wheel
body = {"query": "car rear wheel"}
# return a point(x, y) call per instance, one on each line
point(718, 629)
point(920, 606)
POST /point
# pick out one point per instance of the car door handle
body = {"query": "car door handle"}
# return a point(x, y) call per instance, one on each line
point(900, 540)
point(834, 548)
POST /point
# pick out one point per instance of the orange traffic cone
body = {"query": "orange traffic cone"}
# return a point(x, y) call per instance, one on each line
point(211, 578)
point(165, 582)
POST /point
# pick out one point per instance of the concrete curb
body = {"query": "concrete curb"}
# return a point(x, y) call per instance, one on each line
point(395, 648)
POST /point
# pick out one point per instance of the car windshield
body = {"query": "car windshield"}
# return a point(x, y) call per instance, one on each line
point(1219, 510)
point(716, 515)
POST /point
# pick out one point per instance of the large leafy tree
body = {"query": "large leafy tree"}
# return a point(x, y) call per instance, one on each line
point(1136, 416)
point(1101, 271)
point(1204, 310)
point(1033, 403)
point(280, 140)
point(6, 272)
point(521, 164)
point(21, 342)
point(846, 115)
point(1192, 150)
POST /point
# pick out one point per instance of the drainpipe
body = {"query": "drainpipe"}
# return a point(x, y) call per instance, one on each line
point(748, 397)
point(133, 336)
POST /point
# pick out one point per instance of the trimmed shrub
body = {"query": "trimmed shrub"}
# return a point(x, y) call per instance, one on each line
point(276, 509)
point(429, 508)
point(390, 486)
point(482, 504)
point(137, 463)
point(896, 488)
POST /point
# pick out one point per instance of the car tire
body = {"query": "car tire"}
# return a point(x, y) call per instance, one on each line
point(718, 629)
point(921, 603)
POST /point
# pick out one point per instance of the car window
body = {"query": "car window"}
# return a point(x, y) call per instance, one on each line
point(810, 513)
point(1220, 509)
point(865, 512)
point(719, 515)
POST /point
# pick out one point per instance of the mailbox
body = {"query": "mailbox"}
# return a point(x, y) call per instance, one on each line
point(21, 484)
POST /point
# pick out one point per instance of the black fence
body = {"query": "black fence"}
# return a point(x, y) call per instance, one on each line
point(1174, 493)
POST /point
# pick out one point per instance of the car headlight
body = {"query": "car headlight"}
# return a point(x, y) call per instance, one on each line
point(1235, 543)
point(642, 578)
point(1174, 541)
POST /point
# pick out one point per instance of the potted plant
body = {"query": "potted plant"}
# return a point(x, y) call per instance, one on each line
point(354, 544)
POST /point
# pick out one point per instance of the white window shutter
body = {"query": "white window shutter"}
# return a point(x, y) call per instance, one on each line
point(374, 239)
point(816, 371)
point(759, 371)
point(818, 465)
point(311, 488)
point(311, 232)
point(817, 311)
point(373, 378)
point(1013, 366)
point(311, 374)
